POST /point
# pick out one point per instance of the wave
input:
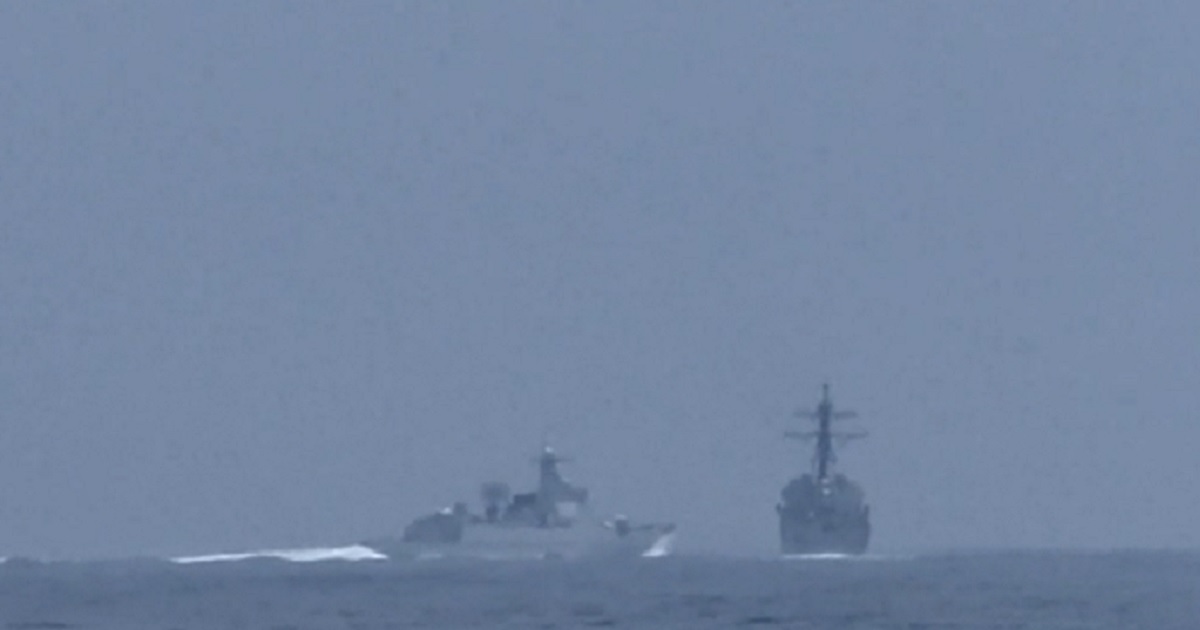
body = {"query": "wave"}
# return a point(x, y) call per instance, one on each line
point(353, 553)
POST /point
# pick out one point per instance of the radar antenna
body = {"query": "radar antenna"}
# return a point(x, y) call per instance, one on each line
point(824, 457)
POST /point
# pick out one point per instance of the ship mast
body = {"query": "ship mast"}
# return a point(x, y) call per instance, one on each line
point(824, 457)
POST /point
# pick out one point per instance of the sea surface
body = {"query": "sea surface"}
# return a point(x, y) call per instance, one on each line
point(1010, 590)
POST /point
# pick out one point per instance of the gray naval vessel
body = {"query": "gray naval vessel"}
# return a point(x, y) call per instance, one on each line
point(823, 512)
point(551, 521)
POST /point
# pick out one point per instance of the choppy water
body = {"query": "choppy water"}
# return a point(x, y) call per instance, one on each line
point(990, 590)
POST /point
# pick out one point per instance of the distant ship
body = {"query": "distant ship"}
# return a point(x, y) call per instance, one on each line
point(552, 521)
point(823, 512)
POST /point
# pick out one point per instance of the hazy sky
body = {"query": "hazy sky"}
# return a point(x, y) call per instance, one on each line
point(288, 273)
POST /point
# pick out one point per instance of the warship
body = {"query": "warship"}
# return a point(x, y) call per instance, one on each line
point(823, 512)
point(552, 521)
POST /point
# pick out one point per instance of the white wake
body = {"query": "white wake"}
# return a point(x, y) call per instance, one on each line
point(843, 557)
point(353, 553)
point(661, 547)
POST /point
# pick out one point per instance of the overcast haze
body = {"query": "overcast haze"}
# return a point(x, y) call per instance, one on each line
point(279, 274)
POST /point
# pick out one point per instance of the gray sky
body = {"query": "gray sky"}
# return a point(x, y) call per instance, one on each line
point(292, 273)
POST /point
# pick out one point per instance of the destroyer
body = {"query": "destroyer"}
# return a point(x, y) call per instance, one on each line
point(823, 512)
point(552, 521)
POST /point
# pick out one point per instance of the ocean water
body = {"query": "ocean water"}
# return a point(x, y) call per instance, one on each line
point(1152, 590)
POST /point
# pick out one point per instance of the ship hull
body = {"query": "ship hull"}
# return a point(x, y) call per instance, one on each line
point(809, 536)
point(497, 542)
point(823, 516)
